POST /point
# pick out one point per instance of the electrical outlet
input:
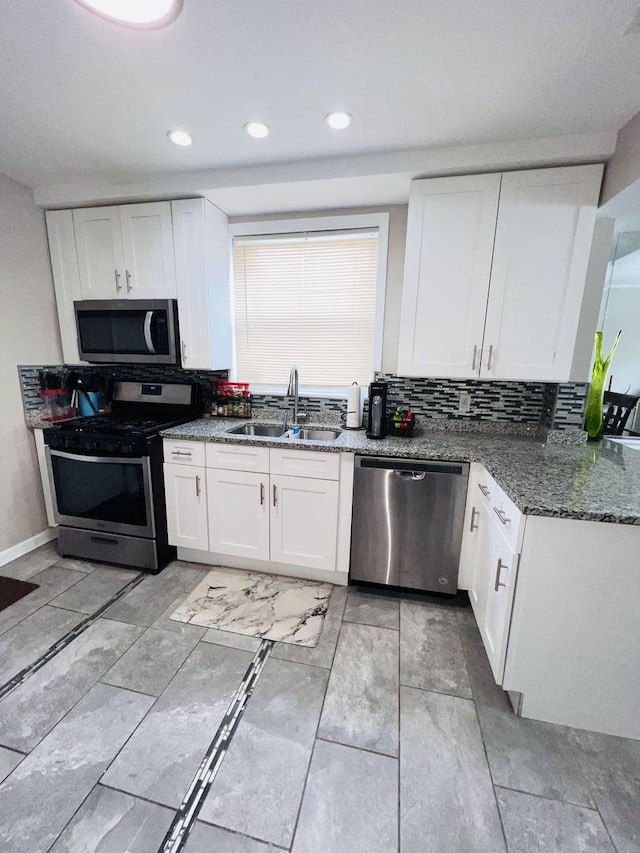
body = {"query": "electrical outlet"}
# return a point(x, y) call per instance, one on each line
point(464, 403)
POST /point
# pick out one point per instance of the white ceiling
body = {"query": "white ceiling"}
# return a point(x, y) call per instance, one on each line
point(84, 100)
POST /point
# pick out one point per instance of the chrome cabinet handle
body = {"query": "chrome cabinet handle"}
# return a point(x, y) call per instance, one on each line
point(261, 494)
point(198, 490)
point(181, 453)
point(117, 277)
point(489, 357)
point(473, 525)
point(499, 568)
point(129, 285)
point(485, 491)
point(184, 350)
point(501, 515)
point(275, 495)
point(475, 355)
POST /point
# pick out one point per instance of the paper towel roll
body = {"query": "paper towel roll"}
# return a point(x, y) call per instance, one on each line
point(354, 407)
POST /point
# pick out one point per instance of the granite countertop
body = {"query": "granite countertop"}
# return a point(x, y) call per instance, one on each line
point(595, 482)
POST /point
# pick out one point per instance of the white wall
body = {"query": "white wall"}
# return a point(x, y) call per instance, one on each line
point(28, 335)
point(395, 267)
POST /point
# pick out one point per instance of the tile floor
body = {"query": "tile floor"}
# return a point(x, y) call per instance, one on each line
point(389, 736)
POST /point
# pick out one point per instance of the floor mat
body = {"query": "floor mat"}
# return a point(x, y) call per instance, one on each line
point(12, 590)
point(272, 607)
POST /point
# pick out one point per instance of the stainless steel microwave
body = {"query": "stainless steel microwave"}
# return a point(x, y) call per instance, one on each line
point(128, 331)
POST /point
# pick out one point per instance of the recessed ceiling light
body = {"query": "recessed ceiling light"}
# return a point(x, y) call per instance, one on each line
point(141, 14)
point(257, 129)
point(338, 121)
point(180, 137)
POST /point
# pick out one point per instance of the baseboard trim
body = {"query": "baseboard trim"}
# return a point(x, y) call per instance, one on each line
point(31, 544)
point(191, 555)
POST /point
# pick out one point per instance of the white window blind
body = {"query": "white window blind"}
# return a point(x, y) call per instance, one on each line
point(305, 299)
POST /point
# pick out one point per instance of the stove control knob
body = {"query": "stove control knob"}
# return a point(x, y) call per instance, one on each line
point(126, 448)
point(70, 441)
point(112, 447)
point(92, 445)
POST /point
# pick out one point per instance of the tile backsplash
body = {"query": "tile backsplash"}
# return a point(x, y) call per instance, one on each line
point(551, 405)
point(513, 402)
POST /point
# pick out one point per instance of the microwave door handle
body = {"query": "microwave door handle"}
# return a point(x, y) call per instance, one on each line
point(147, 332)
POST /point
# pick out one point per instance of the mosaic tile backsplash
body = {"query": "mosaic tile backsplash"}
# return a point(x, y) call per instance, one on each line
point(558, 406)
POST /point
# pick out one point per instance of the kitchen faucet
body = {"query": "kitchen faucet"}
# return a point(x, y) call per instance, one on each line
point(292, 391)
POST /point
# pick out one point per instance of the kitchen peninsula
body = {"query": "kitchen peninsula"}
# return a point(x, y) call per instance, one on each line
point(573, 531)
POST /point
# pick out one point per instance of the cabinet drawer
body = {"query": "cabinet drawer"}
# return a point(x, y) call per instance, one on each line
point(238, 457)
point(306, 463)
point(506, 514)
point(184, 452)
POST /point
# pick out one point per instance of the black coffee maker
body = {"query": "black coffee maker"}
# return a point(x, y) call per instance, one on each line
point(377, 422)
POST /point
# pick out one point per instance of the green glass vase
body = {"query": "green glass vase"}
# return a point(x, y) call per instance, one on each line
point(593, 422)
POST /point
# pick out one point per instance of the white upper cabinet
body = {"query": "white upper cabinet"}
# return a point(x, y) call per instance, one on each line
point(450, 234)
point(100, 252)
point(203, 279)
point(543, 240)
point(495, 271)
point(66, 278)
point(125, 252)
point(147, 236)
point(160, 250)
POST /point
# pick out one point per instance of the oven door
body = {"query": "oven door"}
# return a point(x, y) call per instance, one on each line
point(136, 331)
point(112, 494)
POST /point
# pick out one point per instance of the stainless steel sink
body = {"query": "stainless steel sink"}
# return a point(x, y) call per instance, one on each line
point(319, 434)
point(265, 430)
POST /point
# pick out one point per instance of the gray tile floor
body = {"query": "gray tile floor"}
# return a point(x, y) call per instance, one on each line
point(389, 736)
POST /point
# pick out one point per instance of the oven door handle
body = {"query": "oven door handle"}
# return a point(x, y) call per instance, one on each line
point(80, 457)
point(147, 332)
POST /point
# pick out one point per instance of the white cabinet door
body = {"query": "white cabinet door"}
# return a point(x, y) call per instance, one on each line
point(492, 587)
point(66, 278)
point(304, 522)
point(495, 630)
point(100, 252)
point(147, 236)
point(470, 532)
point(543, 240)
point(186, 495)
point(238, 513)
point(450, 235)
point(479, 587)
point(203, 281)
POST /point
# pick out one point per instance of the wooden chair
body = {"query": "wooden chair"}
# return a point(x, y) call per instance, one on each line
point(619, 407)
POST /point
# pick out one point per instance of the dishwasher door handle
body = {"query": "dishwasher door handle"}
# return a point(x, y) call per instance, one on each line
point(411, 475)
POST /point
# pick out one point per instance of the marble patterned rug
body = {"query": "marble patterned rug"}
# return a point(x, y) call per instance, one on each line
point(271, 607)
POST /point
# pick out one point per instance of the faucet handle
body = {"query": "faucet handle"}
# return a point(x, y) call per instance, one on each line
point(303, 417)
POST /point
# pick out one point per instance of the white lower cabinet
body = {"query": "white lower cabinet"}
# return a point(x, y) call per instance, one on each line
point(186, 498)
point(489, 561)
point(238, 513)
point(304, 522)
point(236, 500)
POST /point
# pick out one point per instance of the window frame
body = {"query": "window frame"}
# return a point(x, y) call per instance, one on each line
point(335, 222)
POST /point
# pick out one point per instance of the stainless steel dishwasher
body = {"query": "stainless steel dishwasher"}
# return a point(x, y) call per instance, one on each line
point(407, 522)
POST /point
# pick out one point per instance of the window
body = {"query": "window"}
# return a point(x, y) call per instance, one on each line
point(309, 298)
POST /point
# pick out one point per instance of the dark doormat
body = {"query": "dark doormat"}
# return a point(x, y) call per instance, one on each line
point(12, 590)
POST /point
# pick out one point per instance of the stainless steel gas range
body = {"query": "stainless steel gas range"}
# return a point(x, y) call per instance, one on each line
point(106, 476)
